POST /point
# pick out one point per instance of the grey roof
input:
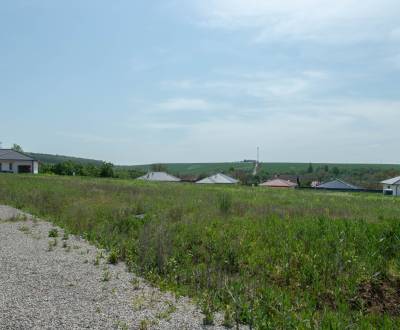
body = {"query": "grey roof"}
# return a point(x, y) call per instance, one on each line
point(218, 178)
point(159, 176)
point(9, 154)
point(393, 181)
point(337, 184)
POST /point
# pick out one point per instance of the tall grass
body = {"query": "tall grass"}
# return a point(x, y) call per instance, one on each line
point(271, 259)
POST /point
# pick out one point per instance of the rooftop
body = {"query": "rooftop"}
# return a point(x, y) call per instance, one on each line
point(159, 176)
point(279, 183)
point(394, 181)
point(337, 184)
point(9, 154)
point(219, 178)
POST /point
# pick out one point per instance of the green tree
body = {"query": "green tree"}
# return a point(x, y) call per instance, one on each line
point(158, 168)
point(65, 168)
point(17, 147)
point(310, 168)
point(107, 170)
point(335, 170)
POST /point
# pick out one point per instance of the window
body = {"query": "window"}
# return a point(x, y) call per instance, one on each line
point(11, 166)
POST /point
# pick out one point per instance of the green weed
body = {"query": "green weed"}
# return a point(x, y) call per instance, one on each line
point(278, 258)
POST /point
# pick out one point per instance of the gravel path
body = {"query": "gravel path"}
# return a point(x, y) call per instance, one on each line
point(52, 283)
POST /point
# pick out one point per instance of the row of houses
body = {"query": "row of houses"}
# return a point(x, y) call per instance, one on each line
point(390, 187)
point(12, 161)
point(218, 178)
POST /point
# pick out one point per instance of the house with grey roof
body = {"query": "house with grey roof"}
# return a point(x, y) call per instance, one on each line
point(337, 184)
point(218, 178)
point(12, 161)
point(159, 177)
point(392, 186)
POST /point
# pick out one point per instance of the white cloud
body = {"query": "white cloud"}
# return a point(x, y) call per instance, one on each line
point(345, 131)
point(322, 20)
point(182, 104)
point(272, 86)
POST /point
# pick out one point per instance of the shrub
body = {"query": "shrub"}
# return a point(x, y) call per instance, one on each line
point(53, 233)
point(113, 257)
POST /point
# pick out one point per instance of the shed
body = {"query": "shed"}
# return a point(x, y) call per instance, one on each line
point(218, 178)
point(12, 161)
point(337, 184)
point(159, 176)
point(392, 186)
point(279, 183)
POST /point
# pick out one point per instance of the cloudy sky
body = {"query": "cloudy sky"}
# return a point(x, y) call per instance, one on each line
point(202, 80)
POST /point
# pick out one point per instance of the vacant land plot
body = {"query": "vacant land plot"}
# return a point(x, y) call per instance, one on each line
point(62, 282)
point(268, 258)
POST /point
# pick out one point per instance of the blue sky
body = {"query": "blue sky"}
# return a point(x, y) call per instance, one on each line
point(202, 80)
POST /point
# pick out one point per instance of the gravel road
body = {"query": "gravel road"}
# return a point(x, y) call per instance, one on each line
point(52, 283)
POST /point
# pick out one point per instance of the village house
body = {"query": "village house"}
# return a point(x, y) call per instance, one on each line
point(12, 161)
point(392, 186)
point(159, 177)
point(279, 183)
point(218, 178)
point(337, 184)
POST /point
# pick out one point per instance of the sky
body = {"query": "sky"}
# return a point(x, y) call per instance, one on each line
point(136, 82)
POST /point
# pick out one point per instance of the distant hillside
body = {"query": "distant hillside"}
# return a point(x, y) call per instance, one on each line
point(197, 168)
point(55, 159)
point(272, 168)
point(211, 168)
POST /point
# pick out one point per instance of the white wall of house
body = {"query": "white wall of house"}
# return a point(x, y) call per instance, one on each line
point(394, 187)
point(13, 166)
point(35, 167)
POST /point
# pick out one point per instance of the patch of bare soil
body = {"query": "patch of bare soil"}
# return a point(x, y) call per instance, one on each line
point(379, 297)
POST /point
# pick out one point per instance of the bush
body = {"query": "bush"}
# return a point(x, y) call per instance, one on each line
point(113, 257)
point(53, 233)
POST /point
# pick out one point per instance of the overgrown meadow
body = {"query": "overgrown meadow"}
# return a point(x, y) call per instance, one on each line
point(272, 259)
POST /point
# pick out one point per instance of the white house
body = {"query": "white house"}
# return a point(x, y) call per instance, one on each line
point(392, 186)
point(12, 161)
point(159, 176)
point(218, 178)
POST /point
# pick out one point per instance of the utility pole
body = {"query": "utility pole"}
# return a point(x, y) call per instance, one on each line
point(257, 162)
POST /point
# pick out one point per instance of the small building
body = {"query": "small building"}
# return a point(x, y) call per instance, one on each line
point(218, 178)
point(279, 183)
point(159, 177)
point(337, 184)
point(12, 161)
point(315, 184)
point(392, 186)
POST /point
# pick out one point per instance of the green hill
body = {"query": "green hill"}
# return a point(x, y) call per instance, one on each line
point(272, 168)
point(196, 168)
point(55, 159)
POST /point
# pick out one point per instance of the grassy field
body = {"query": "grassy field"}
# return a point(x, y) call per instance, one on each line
point(273, 259)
